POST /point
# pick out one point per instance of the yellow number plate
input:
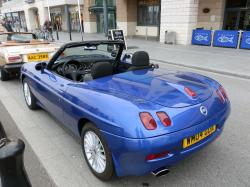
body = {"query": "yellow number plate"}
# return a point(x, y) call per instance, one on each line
point(38, 57)
point(187, 142)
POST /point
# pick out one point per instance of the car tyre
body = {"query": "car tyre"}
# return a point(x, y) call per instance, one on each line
point(104, 172)
point(30, 99)
point(4, 76)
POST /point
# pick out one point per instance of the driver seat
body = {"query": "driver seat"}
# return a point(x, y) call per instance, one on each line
point(98, 70)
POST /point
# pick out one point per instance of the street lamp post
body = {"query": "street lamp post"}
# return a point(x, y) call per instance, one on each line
point(80, 18)
point(105, 14)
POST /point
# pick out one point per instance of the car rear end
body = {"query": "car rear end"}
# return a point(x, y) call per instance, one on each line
point(16, 55)
point(141, 156)
point(189, 112)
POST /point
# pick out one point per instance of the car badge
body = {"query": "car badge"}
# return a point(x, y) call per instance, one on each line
point(203, 110)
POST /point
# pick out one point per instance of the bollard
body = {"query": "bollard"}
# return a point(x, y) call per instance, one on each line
point(12, 171)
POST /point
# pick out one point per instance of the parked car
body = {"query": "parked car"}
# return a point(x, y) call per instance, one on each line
point(132, 119)
point(21, 47)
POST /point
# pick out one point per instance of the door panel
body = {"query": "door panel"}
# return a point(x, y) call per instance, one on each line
point(49, 89)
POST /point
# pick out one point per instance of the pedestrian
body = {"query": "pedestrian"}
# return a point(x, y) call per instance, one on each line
point(8, 26)
point(48, 27)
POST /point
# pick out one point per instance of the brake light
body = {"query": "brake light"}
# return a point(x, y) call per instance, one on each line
point(158, 155)
point(190, 92)
point(164, 118)
point(148, 121)
point(15, 59)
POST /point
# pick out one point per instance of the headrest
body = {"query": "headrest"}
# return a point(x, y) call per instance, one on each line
point(140, 58)
point(101, 69)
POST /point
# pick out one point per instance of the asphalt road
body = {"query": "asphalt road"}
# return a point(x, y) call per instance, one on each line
point(225, 162)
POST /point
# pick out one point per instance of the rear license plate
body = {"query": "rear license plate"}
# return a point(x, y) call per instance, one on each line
point(187, 142)
point(38, 57)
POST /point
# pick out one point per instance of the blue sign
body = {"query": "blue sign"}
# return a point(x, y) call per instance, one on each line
point(202, 37)
point(245, 40)
point(226, 39)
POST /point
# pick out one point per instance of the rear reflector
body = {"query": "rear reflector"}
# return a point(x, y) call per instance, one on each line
point(190, 92)
point(222, 94)
point(165, 120)
point(158, 155)
point(148, 121)
point(15, 59)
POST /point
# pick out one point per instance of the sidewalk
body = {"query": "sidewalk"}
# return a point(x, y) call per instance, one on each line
point(234, 62)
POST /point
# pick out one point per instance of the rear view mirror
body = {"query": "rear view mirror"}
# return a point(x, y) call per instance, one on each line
point(113, 53)
point(41, 66)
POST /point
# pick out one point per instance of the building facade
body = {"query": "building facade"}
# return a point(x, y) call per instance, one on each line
point(138, 18)
point(31, 14)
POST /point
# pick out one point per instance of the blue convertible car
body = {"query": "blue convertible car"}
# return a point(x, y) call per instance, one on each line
point(132, 117)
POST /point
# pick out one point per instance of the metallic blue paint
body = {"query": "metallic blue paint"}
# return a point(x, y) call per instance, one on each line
point(113, 104)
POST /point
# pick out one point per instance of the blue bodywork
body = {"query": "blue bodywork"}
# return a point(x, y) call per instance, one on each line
point(113, 104)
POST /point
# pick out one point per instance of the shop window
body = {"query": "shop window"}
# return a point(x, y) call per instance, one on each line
point(148, 13)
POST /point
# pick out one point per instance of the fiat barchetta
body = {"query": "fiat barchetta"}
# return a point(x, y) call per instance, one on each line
point(133, 118)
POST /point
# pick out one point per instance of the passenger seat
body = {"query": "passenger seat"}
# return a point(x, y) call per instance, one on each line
point(140, 60)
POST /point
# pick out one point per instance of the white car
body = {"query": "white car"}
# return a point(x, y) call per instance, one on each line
point(18, 48)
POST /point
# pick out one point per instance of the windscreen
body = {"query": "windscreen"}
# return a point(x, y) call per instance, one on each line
point(18, 37)
point(102, 51)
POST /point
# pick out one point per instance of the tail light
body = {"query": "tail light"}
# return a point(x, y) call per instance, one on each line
point(164, 118)
point(158, 155)
point(148, 121)
point(222, 94)
point(15, 59)
point(190, 92)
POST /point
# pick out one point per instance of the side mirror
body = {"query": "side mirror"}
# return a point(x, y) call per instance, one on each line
point(41, 66)
point(127, 58)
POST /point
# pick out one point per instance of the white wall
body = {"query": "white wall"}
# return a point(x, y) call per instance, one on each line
point(179, 16)
point(149, 31)
point(90, 27)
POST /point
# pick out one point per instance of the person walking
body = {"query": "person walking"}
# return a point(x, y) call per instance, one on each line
point(7, 26)
point(48, 27)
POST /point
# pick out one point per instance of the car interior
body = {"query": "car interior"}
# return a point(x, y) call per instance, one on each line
point(93, 66)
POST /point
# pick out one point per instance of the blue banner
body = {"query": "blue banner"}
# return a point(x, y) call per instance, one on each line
point(245, 40)
point(202, 37)
point(224, 38)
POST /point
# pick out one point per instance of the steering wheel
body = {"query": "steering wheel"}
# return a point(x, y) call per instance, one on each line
point(72, 71)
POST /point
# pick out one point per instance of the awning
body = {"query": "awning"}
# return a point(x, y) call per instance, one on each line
point(98, 8)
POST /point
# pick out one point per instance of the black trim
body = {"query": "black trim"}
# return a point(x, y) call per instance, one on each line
point(97, 8)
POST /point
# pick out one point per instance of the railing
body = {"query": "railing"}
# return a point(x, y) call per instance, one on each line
point(222, 38)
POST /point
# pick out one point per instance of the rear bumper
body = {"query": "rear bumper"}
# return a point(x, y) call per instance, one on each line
point(13, 67)
point(129, 154)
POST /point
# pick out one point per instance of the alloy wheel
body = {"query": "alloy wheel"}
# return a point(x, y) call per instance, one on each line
point(94, 152)
point(27, 93)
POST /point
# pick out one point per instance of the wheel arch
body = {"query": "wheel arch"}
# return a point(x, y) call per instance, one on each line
point(22, 77)
point(81, 124)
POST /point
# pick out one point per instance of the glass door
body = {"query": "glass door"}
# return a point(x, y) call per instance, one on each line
point(231, 20)
point(244, 22)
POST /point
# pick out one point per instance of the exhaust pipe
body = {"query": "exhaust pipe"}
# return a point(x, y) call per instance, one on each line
point(160, 172)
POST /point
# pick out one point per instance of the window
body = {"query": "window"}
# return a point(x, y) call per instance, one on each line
point(236, 3)
point(109, 2)
point(148, 13)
